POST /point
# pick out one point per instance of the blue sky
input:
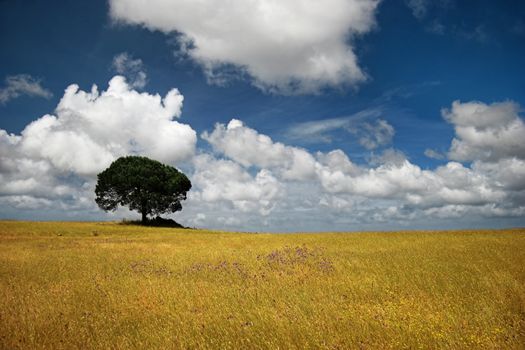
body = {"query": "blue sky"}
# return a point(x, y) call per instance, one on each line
point(382, 83)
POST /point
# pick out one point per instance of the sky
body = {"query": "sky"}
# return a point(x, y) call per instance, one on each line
point(297, 115)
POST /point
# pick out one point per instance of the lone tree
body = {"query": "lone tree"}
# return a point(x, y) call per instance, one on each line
point(143, 184)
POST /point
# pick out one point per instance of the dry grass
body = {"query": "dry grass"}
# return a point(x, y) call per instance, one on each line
point(104, 285)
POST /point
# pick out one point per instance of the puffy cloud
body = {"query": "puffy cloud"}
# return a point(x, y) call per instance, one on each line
point(91, 129)
point(408, 184)
point(390, 178)
point(285, 46)
point(22, 84)
point(219, 180)
point(507, 173)
point(334, 170)
point(133, 69)
point(22, 176)
point(337, 161)
point(249, 148)
point(456, 184)
point(388, 156)
point(56, 156)
point(486, 132)
point(385, 181)
point(261, 184)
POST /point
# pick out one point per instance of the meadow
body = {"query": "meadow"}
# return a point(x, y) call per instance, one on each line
point(114, 286)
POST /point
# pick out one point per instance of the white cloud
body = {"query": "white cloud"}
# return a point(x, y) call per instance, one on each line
point(376, 134)
point(316, 130)
point(408, 184)
point(366, 126)
point(249, 148)
point(219, 180)
point(386, 181)
point(508, 174)
point(486, 132)
point(92, 129)
point(22, 84)
point(459, 212)
point(133, 69)
point(57, 156)
point(430, 153)
point(285, 46)
point(391, 178)
point(261, 184)
point(388, 156)
point(337, 161)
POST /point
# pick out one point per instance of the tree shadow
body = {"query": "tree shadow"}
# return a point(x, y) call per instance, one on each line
point(155, 222)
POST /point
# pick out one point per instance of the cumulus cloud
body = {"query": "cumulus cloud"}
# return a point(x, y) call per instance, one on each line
point(22, 84)
point(486, 132)
point(57, 156)
point(394, 186)
point(224, 181)
point(133, 69)
point(410, 186)
point(284, 46)
point(385, 181)
point(249, 148)
point(489, 136)
point(388, 156)
point(507, 173)
point(250, 181)
point(91, 129)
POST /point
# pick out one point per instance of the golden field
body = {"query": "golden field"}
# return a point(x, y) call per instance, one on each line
point(113, 286)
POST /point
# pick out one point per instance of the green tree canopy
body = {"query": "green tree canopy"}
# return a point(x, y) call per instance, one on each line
point(143, 184)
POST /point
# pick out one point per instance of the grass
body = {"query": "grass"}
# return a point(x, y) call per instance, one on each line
point(105, 285)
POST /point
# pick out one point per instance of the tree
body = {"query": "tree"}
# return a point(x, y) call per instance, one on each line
point(143, 184)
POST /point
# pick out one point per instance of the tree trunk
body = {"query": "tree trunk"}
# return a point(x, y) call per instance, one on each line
point(143, 210)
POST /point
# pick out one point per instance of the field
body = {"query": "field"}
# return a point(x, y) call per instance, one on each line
point(108, 285)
